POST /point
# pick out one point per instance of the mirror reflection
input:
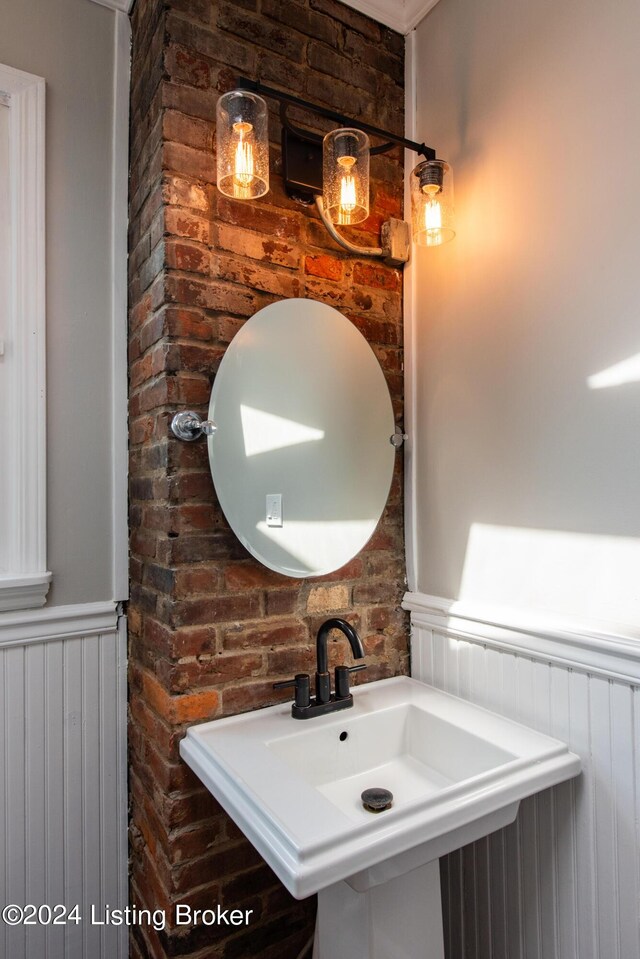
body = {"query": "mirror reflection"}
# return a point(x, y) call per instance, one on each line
point(301, 460)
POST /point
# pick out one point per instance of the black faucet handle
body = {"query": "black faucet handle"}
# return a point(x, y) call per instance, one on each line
point(301, 684)
point(342, 679)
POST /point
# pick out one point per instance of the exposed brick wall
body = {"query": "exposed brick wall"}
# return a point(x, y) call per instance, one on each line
point(211, 629)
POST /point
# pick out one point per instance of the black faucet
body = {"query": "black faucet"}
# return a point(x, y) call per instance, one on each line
point(304, 707)
point(323, 679)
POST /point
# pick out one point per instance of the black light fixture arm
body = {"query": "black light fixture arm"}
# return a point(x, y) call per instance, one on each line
point(255, 86)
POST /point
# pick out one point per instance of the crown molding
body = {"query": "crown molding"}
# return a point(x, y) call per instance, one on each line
point(400, 15)
point(124, 6)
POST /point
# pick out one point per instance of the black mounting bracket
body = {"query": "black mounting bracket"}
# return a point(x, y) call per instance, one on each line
point(301, 166)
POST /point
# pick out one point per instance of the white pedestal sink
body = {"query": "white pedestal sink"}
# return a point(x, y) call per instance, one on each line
point(457, 772)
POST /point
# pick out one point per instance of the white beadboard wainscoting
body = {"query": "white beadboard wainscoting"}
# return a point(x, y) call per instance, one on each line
point(63, 781)
point(562, 882)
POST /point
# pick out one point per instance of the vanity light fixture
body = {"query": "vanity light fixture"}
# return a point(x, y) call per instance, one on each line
point(330, 171)
point(432, 203)
point(242, 154)
point(345, 176)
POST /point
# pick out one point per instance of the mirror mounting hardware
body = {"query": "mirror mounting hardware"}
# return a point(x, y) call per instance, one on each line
point(188, 426)
point(397, 438)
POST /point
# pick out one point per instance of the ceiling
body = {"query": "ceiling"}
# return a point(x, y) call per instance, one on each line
point(400, 15)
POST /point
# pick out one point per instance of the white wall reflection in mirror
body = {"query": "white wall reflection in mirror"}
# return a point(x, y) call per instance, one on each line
point(263, 432)
point(303, 413)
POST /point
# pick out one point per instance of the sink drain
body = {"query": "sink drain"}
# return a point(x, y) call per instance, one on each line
point(376, 799)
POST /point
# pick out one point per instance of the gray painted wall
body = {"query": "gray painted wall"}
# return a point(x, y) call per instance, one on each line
point(536, 105)
point(71, 44)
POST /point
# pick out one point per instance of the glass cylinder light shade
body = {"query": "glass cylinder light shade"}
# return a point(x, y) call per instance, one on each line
point(345, 176)
point(432, 203)
point(242, 145)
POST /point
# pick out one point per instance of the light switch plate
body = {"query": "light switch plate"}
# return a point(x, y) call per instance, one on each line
point(274, 509)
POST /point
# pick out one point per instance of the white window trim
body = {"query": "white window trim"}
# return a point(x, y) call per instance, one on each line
point(27, 583)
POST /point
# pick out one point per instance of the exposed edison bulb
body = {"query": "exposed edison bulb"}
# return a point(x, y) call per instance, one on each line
point(433, 219)
point(432, 203)
point(345, 176)
point(348, 201)
point(243, 161)
point(242, 145)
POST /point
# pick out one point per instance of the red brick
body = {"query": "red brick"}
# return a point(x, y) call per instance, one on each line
point(189, 131)
point(324, 266)
point(248, 274)
point(356, 46)
point(179, 709)
point(344, 97)
point(251, 695)
point(242, 576)
point(337, 65)
point(189, 641)
point(259, 32)
point(187, 324)
point(182, 810)
point(188, 257)
point(379, 276)
point(306, 21)
point(199, 580)
point(217, 610)
point(193, 162)
point(289, 661)
point(184, 64)
point(264, 248)
point(209, 670)
point(344, 14)
point(186, 224)
point(260, 218)
point(278, 71)
point(281, 602)
point(192, 843)
point(274, 633)
point(211, 43)
point(191, 101)
point(191, 486)
point(212, 295)
point(210, 628)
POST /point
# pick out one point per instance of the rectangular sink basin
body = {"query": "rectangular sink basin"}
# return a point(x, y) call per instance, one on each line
point(456, 772)
point(405, 749)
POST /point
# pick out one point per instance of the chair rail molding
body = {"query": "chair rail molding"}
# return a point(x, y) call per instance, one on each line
point(24, 581)
point(604, 649)
point(24, 627)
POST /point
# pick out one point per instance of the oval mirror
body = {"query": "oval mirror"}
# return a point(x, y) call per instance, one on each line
point(301, 459)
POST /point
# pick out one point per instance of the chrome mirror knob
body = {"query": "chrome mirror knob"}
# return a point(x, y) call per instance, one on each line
point(188, 426)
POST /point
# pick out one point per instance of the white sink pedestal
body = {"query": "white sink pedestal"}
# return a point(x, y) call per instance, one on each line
point(398, 919)
point(457, 772)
